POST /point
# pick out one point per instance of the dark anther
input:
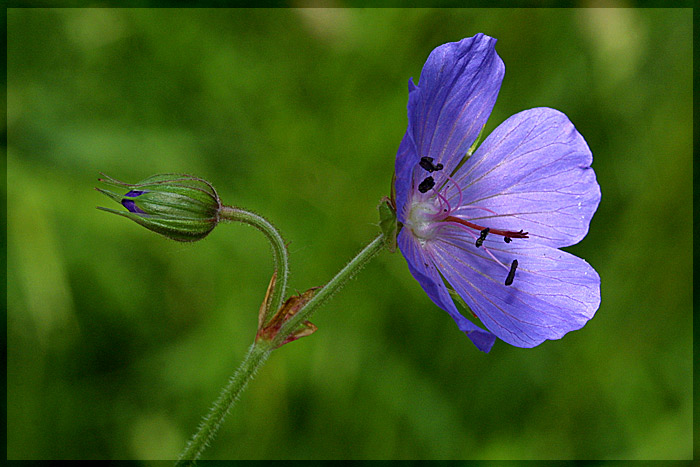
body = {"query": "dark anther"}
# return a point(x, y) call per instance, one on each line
point(482, 237)
point(426, 184)
point(511, 274)
point(507, 239)
point(427, 164)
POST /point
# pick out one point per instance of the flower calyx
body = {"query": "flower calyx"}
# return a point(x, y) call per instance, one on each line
point(388, 223)
point(180, 207)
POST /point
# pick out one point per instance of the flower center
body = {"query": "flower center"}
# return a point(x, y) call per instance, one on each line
point(428, 212)
point(421, 219)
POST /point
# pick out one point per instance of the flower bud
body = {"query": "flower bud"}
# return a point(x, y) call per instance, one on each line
point(180, 207)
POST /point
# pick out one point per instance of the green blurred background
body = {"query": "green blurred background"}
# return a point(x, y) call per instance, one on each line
point(119, 340)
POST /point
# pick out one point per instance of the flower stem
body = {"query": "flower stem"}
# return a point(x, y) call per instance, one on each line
point(279, 250)
point(254, 359)
point(260, 350)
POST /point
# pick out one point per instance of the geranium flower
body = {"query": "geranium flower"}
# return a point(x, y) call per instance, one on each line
point(487, 227)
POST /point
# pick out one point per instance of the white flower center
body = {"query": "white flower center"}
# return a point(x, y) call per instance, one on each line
point(421, 219)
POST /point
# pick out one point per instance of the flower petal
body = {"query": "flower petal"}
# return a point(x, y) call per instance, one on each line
point(406, 158)
point(423, 270)
point(553, 292)
point(458, 87)
point(130, 204)
point(532, 173)
point(459, 84)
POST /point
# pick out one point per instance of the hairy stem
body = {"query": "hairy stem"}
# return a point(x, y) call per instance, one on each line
point(254, 359)
point(260, 350)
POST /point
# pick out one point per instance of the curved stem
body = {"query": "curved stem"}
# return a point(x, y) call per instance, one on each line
point(279, 251)
point(260, 350)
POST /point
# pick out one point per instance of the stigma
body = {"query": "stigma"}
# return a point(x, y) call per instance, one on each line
point(484, 231)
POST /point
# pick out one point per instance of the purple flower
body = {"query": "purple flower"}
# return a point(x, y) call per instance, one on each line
point(486, 228)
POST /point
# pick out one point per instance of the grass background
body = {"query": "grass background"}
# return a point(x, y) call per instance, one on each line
point(119, 340)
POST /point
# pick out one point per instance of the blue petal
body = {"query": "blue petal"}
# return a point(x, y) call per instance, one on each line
point(135, 193)
point(458, 87)
point(459, 84)
point(406, 157)
point(553, 291)
point(131, 206)
point(532, 173)
point(424, 271)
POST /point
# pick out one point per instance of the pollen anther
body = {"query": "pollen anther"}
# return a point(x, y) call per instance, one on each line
point(511, 273)
point(482, 237)
point(426, 185)
point(427, 164)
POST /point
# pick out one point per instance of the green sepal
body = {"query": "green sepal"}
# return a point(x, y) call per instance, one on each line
point(388, 224)
point(181, 230)
point(470, 151)
point(459, 302)
point(473, 147)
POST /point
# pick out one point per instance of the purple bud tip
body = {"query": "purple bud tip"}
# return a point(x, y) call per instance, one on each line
point(135, 193)
point(131, 206)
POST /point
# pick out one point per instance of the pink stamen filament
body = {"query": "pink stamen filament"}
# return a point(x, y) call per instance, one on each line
point(477, 207)
point(451, 180)
point(444, 200)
